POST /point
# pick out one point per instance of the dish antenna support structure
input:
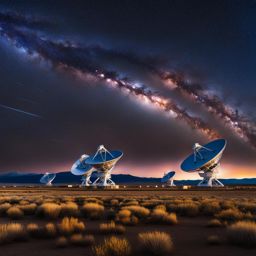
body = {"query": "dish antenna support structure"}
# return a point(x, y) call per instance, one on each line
point(206, 161)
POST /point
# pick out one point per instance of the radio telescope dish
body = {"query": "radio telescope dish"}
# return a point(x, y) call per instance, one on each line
point(205, 160)
point(168, 178)
point(104, 161)
point(48, 178)
point(80, 168)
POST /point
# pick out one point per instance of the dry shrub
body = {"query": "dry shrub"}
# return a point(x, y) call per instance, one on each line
point(138, 211)
point(114, 202)
point(15, 213)
point(28, 209)
point(230, 215)
point(93, 200)
point(130, 202)
point(33, 229)
point(111, 228)
point(69, 209)
point(159, 215)
point(50, 230)
point(93, 210)
point(113, 246)
point(155, 243)
point(171, 219)
point(227, 204)
point(247, 206)
point(122, 214)
point(61, 242)
point(151, 203)
point(80, 240)
point(4, 207)
point(189, 209)
point(209, 207)
point(49, 210)
point(243, 234)
point(214, 223)
point(213, 240)
point(161, 207)
point(12, 232)
point(71, 225)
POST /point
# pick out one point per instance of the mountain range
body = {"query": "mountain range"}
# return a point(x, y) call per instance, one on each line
point(68, 178)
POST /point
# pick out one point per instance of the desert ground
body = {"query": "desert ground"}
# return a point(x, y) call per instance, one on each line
point(65, 221)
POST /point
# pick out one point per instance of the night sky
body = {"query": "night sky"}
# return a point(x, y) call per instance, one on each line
point(147, 77)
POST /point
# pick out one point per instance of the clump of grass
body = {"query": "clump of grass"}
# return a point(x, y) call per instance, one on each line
point(111, 228)
point(80, 240)
point(114, 202)
point(61, 242)
point(159, 215)
point(214, 223)
point(189, 209)
point(69, 209)
point(131, 202)
point(209, 207)
point(33, 229)
point(247, 206)
point(28, 209)
point(50, 230)
point(230, 215)
point(138, 211)
point(71, 225)
point(242, 234)
point(49, 210)
point(122, 214)
point(92, 210)
point(213, 240)
point(4, 207)
point(113, 246)
point(155, 243)
point(12, 232)
point(15, 213)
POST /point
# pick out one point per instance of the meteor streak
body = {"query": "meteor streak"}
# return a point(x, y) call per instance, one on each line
point(20, 111)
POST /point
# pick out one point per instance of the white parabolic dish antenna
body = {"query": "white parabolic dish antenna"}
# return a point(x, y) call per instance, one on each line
point(102, 162)
point(205, 160)
point(80, 168)
point(168, 178)
point(48, 178)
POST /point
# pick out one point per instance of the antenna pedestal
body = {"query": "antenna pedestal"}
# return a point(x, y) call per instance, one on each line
point(104, 179)
point(86, 181)
point(209, 179)
point(170, 183)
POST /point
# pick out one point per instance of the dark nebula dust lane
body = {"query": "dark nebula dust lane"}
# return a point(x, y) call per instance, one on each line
point(73, 58)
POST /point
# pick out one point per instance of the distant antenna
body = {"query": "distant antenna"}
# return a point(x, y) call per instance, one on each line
point(205, 160)
point(168, 179)
point(48, 178)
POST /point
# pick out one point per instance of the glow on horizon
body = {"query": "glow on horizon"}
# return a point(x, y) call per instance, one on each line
point(226, 170)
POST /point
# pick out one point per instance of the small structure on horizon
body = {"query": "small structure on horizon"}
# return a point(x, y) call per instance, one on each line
point(47, 178)
point(168, 179)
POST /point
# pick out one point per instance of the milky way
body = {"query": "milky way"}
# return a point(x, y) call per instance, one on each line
point(84, 61)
